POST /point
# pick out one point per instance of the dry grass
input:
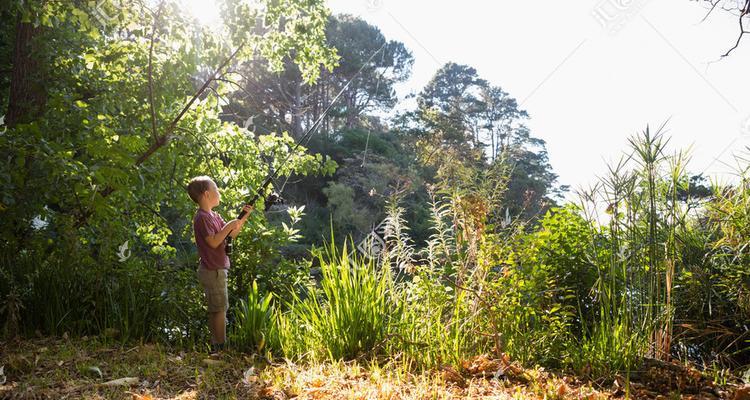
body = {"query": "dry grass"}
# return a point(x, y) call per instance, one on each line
point(62, 368)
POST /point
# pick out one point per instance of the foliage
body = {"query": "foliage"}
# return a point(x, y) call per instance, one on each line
point(535, 287)
point(712, 292)
point(349, 318)
point(264, 255)
point(253, 318)
point(96, 170)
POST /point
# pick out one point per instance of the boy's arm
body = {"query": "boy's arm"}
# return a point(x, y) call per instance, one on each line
point(206, 230)
point(215, 240)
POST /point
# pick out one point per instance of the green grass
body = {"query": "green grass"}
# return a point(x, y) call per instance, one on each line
point(347, 317)
point(253, 319)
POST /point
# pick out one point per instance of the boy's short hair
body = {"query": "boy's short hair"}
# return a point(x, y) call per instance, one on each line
point(198, 186)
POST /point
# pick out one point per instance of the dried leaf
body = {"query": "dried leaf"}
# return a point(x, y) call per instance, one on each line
point(95, 370)
point(122, 382)
point(212, 363)
point(481, 365)
point(317, 383)
point(249, 376)
point(452, 376)
point(146, 396)
point(742, 393)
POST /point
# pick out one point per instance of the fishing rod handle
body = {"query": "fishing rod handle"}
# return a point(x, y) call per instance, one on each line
point(229, 246)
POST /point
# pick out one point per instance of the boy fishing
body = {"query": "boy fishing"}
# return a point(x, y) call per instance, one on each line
point(210, 233)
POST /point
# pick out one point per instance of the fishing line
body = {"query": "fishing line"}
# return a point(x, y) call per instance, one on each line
point(369, 128)
point(305, 138)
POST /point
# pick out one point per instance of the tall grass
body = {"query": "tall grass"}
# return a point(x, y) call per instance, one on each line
point(639, 256)
point(253, 320)
point(437, 305)
point(348, 316)
point(138, 299)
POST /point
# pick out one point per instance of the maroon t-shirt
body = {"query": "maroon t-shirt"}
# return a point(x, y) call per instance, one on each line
point(205, 224)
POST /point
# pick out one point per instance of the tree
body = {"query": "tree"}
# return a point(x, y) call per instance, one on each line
point(271, 101)
point(130, 110)
point(532, 186)
point(450, 106)
point(501, 116)
point(461, 121)
point(372, 90)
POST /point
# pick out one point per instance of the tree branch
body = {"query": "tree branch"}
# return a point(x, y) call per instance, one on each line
point(151, 71)
point(167, 135)
point(743, 12)
point(164, 138)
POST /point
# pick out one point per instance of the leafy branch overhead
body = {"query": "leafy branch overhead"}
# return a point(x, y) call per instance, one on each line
point(131, 100)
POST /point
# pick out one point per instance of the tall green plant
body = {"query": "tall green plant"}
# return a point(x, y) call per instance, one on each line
point(350, 316)
point(253, 320)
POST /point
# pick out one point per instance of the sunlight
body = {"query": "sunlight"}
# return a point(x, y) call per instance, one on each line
point(205, 11)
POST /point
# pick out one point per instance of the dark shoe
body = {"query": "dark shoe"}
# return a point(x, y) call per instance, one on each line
point(216, 350)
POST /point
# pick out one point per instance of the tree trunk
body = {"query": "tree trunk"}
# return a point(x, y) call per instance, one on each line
point(351, 113)
point(297, 111)
point(27, 93)
point(26, 103)
point(494, 147)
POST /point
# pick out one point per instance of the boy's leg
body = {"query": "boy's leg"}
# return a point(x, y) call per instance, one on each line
point(215, 285)
point(218, 326)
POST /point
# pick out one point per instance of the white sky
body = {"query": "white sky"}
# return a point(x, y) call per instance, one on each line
point(588, 87)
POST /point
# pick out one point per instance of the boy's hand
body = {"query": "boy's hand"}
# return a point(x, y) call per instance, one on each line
point(233, 224)
point(238, 223)
point(246, 209)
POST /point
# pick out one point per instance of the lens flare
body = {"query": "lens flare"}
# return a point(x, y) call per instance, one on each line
point(206, 12)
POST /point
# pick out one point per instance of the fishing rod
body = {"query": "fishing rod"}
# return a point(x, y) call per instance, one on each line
point(306, 137)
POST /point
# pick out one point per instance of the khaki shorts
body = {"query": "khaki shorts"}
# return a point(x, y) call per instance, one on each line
point(214, 284)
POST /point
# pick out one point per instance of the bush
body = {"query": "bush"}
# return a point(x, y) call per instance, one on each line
point(65, 290)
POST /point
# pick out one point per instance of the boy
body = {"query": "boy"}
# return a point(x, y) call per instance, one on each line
point(210, 231)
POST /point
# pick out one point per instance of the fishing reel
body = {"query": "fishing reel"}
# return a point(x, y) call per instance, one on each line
point(271, 200)
point(274, 199)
